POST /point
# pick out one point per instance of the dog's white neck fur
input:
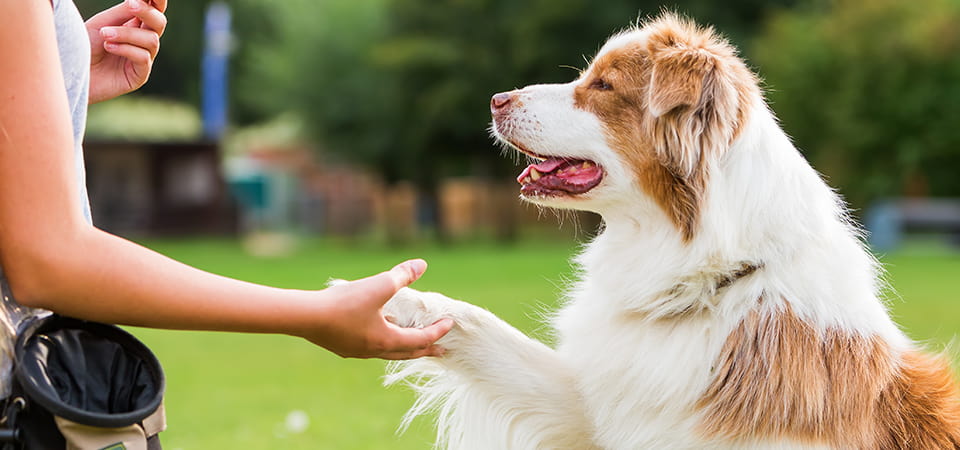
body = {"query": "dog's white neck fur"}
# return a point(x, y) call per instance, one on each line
point(766, 206)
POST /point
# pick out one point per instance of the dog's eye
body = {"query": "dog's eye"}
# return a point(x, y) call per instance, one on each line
point(601, 85)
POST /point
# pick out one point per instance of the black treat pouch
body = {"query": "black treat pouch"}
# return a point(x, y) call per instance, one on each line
point(83, 385)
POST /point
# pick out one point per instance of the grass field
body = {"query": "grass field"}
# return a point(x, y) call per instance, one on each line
point(228, 391)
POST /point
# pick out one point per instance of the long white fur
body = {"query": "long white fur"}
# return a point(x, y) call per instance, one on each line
point(619, 377)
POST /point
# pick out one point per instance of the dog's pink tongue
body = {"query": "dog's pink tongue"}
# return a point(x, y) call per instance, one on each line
point(545, 166)
point(548, 165)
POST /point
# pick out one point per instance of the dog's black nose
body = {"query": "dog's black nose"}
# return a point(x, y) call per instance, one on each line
point(500, 101)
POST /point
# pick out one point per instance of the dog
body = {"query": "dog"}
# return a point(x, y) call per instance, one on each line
point(728, 302)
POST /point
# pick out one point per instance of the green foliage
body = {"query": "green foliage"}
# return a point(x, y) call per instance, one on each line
point(870, 91)
point(312, 57)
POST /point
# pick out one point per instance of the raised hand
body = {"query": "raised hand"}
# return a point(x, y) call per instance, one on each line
point(124, 41)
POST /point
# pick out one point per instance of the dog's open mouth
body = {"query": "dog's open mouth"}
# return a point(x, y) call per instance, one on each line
point(556, 176)
point(559, 176)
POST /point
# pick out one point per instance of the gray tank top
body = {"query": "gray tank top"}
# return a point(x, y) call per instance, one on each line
point(74, 47)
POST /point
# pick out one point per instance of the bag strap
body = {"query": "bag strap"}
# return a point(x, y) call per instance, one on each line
point(10, 434)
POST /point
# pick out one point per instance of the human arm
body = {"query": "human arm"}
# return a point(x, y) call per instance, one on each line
point(124, 41)
point(54, 259)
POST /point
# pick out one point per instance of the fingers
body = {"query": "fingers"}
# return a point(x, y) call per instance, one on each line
point(161, 5)
point(137, 37)
point(438, 330)
point(113, 16)
point(139, 57)
point(401, 343)
point(150, 16)
point(415, 340)
point(136, 13)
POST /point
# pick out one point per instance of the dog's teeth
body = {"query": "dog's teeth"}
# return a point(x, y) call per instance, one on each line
point(527, 180)
point(534, 174)
point(587, 164)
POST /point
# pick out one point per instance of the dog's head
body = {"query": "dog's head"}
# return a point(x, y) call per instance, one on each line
point(649, 118)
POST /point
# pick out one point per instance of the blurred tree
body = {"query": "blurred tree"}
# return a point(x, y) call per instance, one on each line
point(870, 90)
point(311, 57)
point(403, 85)
point(447, 58)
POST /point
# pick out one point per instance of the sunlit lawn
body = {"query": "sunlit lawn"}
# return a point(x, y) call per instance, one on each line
point(229, 391)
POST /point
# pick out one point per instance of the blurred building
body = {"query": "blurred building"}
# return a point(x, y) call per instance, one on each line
point(288, 188)
point(158, 188)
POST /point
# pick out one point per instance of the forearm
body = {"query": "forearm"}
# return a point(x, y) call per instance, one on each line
point(98, 276)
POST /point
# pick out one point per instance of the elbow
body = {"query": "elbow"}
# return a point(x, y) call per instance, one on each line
point(37, 273)
point(29, 283)
point(28, 295)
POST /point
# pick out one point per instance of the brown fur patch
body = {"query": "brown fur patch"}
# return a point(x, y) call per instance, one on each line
point(778, 377)
point(921, 408)
point(671, 105)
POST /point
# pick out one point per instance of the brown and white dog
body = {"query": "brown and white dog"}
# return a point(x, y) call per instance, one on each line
point(727, 303)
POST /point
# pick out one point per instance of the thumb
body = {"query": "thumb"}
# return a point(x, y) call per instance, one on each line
point(407, 272)
point(381, 287)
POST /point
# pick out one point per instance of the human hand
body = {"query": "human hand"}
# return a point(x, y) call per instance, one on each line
point(355, 326)
point(124, 40)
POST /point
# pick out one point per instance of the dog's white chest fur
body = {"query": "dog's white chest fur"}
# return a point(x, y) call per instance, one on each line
point(639, 380)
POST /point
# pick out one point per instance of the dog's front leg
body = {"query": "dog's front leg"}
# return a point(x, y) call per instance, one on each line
point(495, 388)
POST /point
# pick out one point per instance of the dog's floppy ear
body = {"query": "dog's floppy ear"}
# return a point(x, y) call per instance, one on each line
point(678, 79)
point(693, 110)
point(691, 103)
point(681, 101)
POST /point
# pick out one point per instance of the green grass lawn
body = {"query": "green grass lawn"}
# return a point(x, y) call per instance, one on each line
point(229, 391)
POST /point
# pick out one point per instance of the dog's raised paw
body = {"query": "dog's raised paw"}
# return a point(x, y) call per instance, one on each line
point(413, 308)
point(406, 308)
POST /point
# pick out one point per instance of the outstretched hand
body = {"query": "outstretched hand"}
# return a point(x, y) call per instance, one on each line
point(357, 328)
point(124, 41)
